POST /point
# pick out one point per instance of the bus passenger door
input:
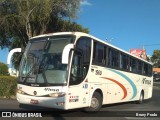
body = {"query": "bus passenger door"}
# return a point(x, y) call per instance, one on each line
point(78, 91)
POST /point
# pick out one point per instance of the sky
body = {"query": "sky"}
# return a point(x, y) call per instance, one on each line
point(126, 24)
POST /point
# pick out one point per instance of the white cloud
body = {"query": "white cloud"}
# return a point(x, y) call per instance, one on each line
point(85, 2)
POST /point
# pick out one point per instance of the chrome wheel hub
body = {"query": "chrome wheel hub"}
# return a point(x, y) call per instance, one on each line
point(94, 103)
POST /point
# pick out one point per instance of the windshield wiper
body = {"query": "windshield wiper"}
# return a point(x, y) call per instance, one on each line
point(36, 66)
point(42, 67)
point(32, 57)
point(27, 76)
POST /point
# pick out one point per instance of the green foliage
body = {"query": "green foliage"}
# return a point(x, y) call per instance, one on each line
point(8, 86)
point(156, 58)
point(59, 25)
point(28, 18)
point(22, 19)
point(3, 69)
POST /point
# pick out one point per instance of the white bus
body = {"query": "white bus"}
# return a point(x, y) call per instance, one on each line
point(69, 70)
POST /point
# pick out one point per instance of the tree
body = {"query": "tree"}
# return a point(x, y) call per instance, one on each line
point(33, 16)
point(59, 25)
point(156, 58)
point(3, 69)
point(23, 19)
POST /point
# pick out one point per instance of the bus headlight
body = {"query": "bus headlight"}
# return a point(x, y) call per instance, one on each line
point(20, 91)
point(60, 94)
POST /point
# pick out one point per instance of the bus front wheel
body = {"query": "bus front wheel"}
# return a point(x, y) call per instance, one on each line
point(96, 103)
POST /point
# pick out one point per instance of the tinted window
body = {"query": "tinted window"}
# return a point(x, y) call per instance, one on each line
point(76, 70)
point(150, 70)
point(140, 66)
point(84, 45)
point(113, 59)
point(133, 64)
point(124, 61)
point(145, 69)
point(99, 54)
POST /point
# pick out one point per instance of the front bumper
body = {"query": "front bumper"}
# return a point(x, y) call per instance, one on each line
point(49, 102)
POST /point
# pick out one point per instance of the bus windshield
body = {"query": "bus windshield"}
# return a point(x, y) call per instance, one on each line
point(41, 63)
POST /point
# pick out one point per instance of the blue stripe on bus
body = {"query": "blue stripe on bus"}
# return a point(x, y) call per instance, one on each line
point(129, 80)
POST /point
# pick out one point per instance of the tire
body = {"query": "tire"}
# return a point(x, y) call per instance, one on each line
point(141, 98)
point(21, 105)
point(96, 103)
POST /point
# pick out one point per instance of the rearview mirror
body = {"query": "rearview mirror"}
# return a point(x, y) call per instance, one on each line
point(65, 53)
point(11, 53)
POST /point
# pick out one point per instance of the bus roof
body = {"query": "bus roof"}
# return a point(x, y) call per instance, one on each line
point(87, 35)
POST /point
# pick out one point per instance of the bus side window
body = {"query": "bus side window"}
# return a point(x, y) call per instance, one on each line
point(81, 60)
point(84, 45)
point(76, 70)
point(140, 65)
point(133, 65)
point(145, 69)
point(124, 61)
point(99, 54)
point(113, 58)
point(109, 57)
point(150, 70)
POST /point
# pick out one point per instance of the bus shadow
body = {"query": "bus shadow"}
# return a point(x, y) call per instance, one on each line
point(127, 103)
point(117, 104)
point(61, 114)
point(51, 112)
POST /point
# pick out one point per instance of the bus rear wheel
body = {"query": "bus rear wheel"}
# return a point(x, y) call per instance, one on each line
point(96, 103)
point(141, 98)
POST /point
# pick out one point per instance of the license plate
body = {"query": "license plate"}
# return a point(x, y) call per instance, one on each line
point(34, 101)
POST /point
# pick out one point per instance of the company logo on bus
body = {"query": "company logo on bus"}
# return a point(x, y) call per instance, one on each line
point(145, 81)
point(50, 89)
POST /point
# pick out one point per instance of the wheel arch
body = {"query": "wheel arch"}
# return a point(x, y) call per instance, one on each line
point(140, 97)
point(142, 91)
point(98, 90)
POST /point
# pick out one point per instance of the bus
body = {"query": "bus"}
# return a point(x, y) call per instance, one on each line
point(69, 70)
